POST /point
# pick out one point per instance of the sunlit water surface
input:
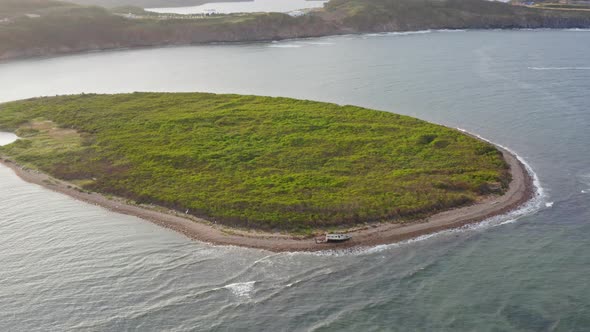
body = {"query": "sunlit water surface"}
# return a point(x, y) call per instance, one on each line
point(67, 265)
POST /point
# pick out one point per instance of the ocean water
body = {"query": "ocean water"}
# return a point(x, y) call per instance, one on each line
point(67, 265)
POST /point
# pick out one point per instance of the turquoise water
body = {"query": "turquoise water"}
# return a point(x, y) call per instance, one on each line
point(67, 265)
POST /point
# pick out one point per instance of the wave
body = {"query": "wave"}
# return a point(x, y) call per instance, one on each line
point(285, 45)
point(451, 30)
point(577, 30)
point(416, 32)
point(400, 33)
point(241, 289)
point(585, 180)
point(317, 43)
point(300, 42)
point(559, 68)
point(406, 33)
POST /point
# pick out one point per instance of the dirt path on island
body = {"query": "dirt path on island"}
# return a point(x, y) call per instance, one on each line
point(520, 191)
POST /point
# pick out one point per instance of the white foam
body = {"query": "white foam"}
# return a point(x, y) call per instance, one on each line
point(559, 68)
point(406, 33)
point(399, 33)
point(451, 30)
point(285, 45)
point(585, 179)
point(577, 30)
point(509, 221)
point(317, 43)
point(366, 250)
point(549, 204)
point(241, 289)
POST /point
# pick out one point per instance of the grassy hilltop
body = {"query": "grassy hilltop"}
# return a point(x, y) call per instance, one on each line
point(254, 161)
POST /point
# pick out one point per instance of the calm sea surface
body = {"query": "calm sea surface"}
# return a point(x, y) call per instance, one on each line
point(67, 265)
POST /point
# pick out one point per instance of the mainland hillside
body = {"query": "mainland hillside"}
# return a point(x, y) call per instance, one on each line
point(147, 3)
point(43, 27)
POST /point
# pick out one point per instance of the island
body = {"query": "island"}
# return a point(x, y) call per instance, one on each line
point(263, 172)
point(32, 28)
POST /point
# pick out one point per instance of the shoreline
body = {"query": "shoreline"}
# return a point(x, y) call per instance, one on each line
point(52, 55)
point(521, 190)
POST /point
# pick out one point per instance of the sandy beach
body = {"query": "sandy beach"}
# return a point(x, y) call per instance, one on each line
point(520, 191)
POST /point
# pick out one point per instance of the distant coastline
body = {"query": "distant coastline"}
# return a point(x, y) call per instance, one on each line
point(21, 57)
point(520, 191)
point(70, 28)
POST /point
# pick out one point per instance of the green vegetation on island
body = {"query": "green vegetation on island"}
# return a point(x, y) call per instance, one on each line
point(272, 163)
point(44, 27)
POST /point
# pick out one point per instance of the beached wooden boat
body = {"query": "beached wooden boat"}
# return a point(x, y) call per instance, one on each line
point(333, 237)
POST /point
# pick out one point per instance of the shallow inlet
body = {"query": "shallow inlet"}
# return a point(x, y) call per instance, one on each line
point(7, 138)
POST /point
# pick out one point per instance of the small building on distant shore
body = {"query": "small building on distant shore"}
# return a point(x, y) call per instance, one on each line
point(552, 2)
point(296, 13)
